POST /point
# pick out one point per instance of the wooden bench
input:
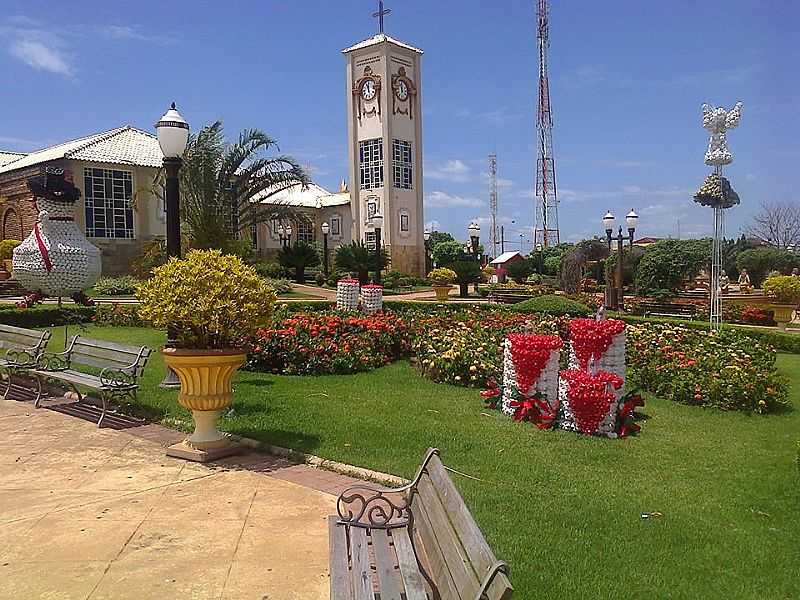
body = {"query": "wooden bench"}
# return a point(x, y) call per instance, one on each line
point(120, 368)
point(509, 296)
point(669, 309)
point(417, 542)
point(22, 347)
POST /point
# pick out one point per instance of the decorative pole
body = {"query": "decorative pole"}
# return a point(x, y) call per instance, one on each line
point(325, 229)
point(173, 135)
point(377, 222)
point(717, 192)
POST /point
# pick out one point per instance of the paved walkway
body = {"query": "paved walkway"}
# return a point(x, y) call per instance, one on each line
point(92, 513)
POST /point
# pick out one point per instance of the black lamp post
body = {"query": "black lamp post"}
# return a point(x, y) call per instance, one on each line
point(427, 236)
point(614, 294)
point(172, 132)
point(377, 223)
point(325, 230)
point(540, 251)
point(474, 231)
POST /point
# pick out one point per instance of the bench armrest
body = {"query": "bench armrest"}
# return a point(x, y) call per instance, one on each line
point(49, 361)
point(362, 505)
point(22, 357)
point(116, 378)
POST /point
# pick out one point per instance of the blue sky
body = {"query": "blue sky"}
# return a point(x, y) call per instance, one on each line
point(627, 81)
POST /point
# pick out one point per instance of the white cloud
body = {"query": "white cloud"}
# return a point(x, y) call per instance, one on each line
point(456, 171)
point(433, 225)
point(130, 33)
point(42, 57)
point(499, 116)
point(439, 199)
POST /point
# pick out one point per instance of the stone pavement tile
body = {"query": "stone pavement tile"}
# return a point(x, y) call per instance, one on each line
point(156, 433)
point(18, 504)
point(167, 577)
point(11, 408)
point(10, 533)
point(221, 496)
point(111, 506)
point(55, 538)
point(276, 580)
point(134, 470)
point(204, 540)
point(28, 476)
point(278, 500)
point(49, 580)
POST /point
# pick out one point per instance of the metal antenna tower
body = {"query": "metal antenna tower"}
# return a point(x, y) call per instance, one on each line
point(493, 202)
point(546, 230)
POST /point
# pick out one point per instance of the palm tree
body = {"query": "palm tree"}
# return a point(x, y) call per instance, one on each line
point(298, 257)
point(220, 180)
point(356, 257)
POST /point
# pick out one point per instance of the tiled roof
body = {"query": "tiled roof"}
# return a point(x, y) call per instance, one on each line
point(124, 146)
point(315, 196)
point(6, 156)
point(378, 39)
point(505, 257)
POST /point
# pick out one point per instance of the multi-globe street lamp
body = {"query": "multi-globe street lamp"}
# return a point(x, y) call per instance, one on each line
point(172, 132)
point(540, 252)
point(427, 236)
point(614, 294)
point(325, 230)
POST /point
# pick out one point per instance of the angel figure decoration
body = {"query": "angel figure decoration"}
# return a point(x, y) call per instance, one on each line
point(717, 120)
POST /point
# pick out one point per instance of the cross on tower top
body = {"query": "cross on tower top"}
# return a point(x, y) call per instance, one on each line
point(381, 13)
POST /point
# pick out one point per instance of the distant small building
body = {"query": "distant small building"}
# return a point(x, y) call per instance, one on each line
point(644, 242)
point(501, 263)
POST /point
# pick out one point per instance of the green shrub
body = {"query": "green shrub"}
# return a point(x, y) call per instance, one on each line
point(760, 261)
point(446, 253)
point(270, 270)
point(7, 249)
point(520, 270)
point(534, 279)
point(552, 305)
point(783, 289)
point(154, 254)
point(119, 315)
point(116, 286)
point(280, 286)
point(299, 257)
point(666, 264)
point(49, 315)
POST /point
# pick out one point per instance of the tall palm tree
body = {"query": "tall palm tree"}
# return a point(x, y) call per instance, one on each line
point(220, 180)
point(299, 257)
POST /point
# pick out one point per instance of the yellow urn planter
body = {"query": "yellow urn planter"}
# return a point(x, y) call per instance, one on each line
point(206, 390)
point(783, 314)
point(442, 292)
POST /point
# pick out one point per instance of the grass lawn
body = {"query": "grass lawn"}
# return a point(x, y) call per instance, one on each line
point(298, 296)
point(562, 509)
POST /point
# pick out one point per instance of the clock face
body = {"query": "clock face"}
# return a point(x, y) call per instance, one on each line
point(401, 90)
point(368, 89)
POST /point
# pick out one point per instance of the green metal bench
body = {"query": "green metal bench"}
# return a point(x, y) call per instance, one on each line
point(120, 368)
point(22, 349)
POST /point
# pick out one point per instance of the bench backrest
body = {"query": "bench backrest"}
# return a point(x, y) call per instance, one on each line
point(17, 337)
point(454, 552)
point(102, 354)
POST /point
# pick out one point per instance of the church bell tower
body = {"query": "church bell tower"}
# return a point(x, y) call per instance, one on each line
point(384, 129)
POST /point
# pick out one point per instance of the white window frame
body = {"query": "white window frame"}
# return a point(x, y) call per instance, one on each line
point(304, 232)
point(370, 159)
point(403, 165)
point(370, 239)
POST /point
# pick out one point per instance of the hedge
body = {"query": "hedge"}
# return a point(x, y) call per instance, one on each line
point(48, 315)
point(553, 305)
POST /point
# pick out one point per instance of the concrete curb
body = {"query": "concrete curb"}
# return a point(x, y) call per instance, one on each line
point(321, 463)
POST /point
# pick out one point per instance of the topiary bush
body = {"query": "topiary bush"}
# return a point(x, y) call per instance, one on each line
point(552, 305)
point(214, 301)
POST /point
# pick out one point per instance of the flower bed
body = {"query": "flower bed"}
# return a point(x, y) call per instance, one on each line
point(465, 347)
point(728, 370)
point(318, 344)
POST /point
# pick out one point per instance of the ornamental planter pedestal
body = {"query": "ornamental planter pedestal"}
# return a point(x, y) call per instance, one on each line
point(442, 292)
point(206, 390)
point(783, 314)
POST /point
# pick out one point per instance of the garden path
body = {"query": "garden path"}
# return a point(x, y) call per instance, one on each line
point(101, 513)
